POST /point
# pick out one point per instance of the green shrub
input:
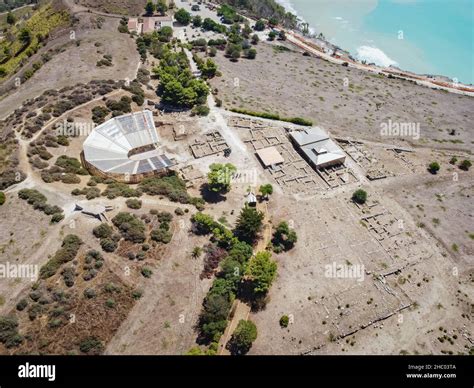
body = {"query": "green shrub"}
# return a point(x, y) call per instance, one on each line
point(39, 202)
point(91, 345)
point(34, 311)
point(22, 304)
point(171, 186)
point(183, 17)
point(123, 105)
point(67, 252)
point(33, 197)
point(161, 235)
point(134, 203)
point(465, 165)
point(99, 113)
point(54, 323)
point(166, 217)
point(57, 217)
point(146, 272)
point(108, 245)
point(50, 210)
point(70, 165)
point(89, 293)
point(138, 95)
point(118, 189)
point(273, 116)
point(203, 223)
point(284, 238)
point(2, 198)
point(69, 275)
point(89, 192)
point(111, 288)
point(210, 25)
point(35, 295)
point(94, 256)
point(103, 231)
point(284, 321)
point(137, 294)
point(131, 228)
point(110, 303)
point(251, 53)
point(9, 335)
point(433, 167)
point(266, 190)
point(70, 179)
point(201, 110)
point(359, 196)
point(260, 25)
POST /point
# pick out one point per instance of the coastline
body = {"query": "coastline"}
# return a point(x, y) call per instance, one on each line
point(320, 46)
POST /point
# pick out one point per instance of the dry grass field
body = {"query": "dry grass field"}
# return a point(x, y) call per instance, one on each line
point(77, 60)
point(346, 102)
point(410, 246)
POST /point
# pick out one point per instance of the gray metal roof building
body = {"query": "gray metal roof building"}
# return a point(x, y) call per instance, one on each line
point(318, 148)
point(125, 145)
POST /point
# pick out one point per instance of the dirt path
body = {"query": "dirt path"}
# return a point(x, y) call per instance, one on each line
point(58, 72)
point(17, 9)
point(76, 9)
point(241, 311)
point(267, 228)
point(14, 288)
point(67, 113)
point(32, 178)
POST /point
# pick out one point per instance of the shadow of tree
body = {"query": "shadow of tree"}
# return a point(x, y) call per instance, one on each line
point(211, 196)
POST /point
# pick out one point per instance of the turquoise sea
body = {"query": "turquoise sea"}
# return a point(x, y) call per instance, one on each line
point(424, 36)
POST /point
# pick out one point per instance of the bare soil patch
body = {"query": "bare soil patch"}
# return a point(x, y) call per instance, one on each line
point(347, 102)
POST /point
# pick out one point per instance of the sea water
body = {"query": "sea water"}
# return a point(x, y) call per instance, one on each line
point(424, 36)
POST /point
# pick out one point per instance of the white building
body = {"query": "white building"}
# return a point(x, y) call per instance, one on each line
point(149, 24)
point(317, 148)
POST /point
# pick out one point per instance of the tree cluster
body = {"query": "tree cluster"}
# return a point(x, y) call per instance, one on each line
point(177, 86)
point(284, 238)
point(131, 227)
point(220, 176)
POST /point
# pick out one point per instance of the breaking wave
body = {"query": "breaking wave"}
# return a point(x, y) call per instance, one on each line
point(374, 55)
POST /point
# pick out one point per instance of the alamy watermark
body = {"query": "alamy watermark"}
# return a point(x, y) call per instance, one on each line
point(345, 271)
point(249, 177)
point(74, 129)
point(19, 271)
point(31, 371)
point(405, 129)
